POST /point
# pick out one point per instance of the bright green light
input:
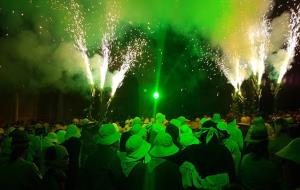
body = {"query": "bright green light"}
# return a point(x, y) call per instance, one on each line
point(155, 95)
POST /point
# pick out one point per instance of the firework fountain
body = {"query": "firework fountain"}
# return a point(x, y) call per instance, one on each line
point(284, 57)
point(294, 34)
point(250, 63)
point(79, 38)
point(259, 37)
point(133, 52)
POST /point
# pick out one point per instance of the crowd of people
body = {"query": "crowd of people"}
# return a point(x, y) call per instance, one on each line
point(212, 152)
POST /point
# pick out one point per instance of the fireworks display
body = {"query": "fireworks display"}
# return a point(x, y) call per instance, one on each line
point(204, 42)
point(79, 37)
point(292, 41)
point(133, 52)
point(259, 43)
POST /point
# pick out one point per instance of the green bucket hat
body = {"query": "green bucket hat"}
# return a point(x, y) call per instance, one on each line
point(216, 118)
point(108, 134)
point(188, 139)
point(72, 131)
point(258, 131)
point(163, 146)
point(139, 130)
point(291, 151)
point(137, 147)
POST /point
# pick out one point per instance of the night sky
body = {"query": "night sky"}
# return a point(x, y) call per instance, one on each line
point(41, 61)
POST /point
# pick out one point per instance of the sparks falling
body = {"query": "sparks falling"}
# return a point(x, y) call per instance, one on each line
point(79, 34)
point(235, 70)
point(259, 37)
point(104, 65)
point(293, 38)
point(108, 37)
point(133, 52)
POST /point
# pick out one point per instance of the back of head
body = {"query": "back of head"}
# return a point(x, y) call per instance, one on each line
point(291, 151)
point(216, 118)
point(72, 131)
point(20, 143)
point(230, 117)
point(280, 125)
point(137, 147)
point(173, 131)
point(108, 134)
point(209, 132)
point(258, 138)
point(57, 157)
point(163, 146)
point(160, 118)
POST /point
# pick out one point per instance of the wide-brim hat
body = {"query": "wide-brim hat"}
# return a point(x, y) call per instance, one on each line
point(136, 147)
point(291, 151)
point(108, 134)
point(257, 134)
point(245, 121)
point(216, 118)
point(52, 137)
point(160, 117)
point(182, 119)
point(188, 139)
point(72, 131)
point(163, 146)
point(175, 122)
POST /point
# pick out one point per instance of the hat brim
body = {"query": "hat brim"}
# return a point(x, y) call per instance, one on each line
point(141, 151)
point(288, 154)
point(251, 140)
point(160, 151)
point(244, 124)
point(109, 139)
point(186, 140)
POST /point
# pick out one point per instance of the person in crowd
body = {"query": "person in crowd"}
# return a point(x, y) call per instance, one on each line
point(210, 158)
point(281, 138)
point(138, 129)
point(218, 158)
point(135, 163)
point(187, 137)
point(174, 132)
point(182, 120)
point(216, 118)
point(103, 169)
point(17, 173)
point(257, 171)
point(235, 133)
point(60, 136)
point(290, 164)
point(56, 164)
point(49, 140)
point(244, 125)
point(231, 145)
point(161, 173)
point(73, 146)
point(156, 127)
point(160, 119)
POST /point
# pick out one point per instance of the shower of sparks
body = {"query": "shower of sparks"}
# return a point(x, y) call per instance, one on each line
point(108, 37)
point(79, 36)
point(104, 65)
point(133, 52)
point(259, 37)
point(235, 71)
point(293, 38)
